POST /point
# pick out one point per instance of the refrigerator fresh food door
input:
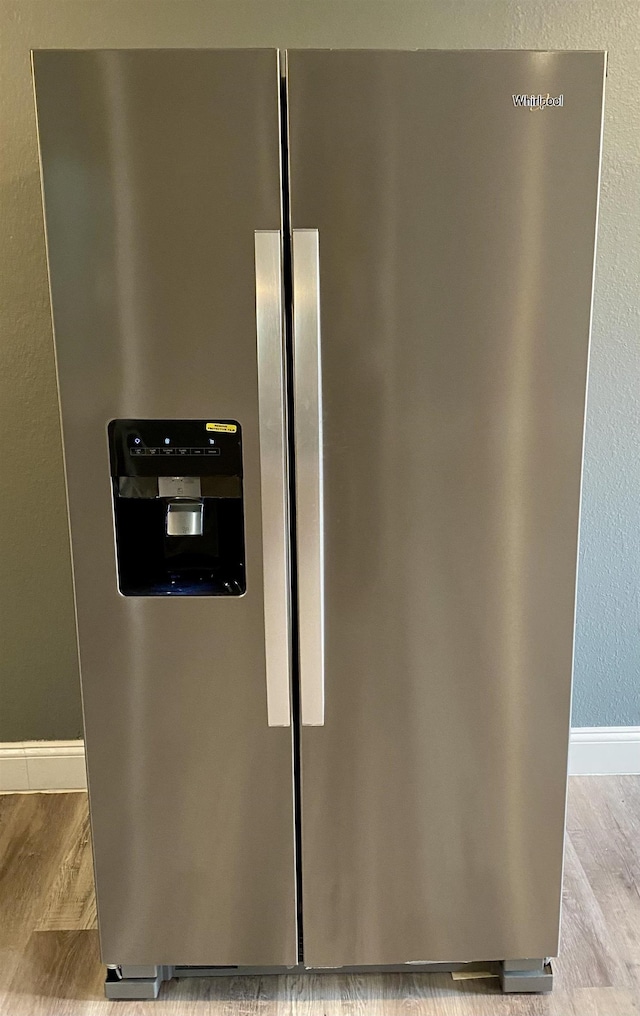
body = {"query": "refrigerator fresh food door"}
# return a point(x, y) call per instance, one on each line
point(446, 233)
point(162, 194)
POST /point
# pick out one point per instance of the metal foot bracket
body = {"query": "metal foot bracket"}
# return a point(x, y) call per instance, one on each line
point(526, 975)
point(130, 982)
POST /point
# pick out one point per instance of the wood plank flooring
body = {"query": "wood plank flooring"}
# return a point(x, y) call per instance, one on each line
point(49, 964)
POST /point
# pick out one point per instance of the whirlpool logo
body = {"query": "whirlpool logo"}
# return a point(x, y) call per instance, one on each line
point(538, 101)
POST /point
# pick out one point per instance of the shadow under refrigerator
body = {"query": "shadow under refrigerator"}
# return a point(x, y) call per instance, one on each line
point(322, 328)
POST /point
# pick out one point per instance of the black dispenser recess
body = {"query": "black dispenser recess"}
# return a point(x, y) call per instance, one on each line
point(178, 507)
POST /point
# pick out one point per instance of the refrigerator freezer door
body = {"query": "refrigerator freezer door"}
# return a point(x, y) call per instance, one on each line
point(456, 243)
point(159, 166)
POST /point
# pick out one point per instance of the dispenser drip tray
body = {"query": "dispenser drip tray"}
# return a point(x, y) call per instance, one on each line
point(179, 584)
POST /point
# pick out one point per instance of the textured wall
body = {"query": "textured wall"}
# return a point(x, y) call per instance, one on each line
point(39, 694)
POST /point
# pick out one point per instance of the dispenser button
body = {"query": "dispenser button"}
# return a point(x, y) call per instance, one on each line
point(184, 518)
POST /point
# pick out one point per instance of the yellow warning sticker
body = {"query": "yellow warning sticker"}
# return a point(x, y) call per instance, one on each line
point(223, 428)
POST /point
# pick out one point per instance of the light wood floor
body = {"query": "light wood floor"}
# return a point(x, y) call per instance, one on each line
point(49, 962)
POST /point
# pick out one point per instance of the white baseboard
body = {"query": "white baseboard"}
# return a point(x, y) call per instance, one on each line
point(59, 765)
point(42, 765)
point(604, 751)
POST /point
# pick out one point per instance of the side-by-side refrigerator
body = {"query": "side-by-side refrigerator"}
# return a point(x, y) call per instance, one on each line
point(322, 330)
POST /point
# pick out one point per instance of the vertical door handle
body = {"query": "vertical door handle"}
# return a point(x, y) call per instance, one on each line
point(309, 480)
point(273, 474)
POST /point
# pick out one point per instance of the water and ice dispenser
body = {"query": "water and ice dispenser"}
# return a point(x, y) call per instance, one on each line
point(178, 507)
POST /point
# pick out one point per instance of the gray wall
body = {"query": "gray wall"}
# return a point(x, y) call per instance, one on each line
point(39, 696)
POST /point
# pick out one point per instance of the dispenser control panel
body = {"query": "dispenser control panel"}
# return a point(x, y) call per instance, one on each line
point(152, 447)
point(165, 450)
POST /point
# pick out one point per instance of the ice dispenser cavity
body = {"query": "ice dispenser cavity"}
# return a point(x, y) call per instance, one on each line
point(178, 507)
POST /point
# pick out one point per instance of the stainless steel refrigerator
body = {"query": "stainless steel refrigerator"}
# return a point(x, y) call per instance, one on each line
point(322, 330)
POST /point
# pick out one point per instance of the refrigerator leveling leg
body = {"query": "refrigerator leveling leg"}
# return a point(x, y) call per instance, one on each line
point(533, 975)
point(129, 982)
